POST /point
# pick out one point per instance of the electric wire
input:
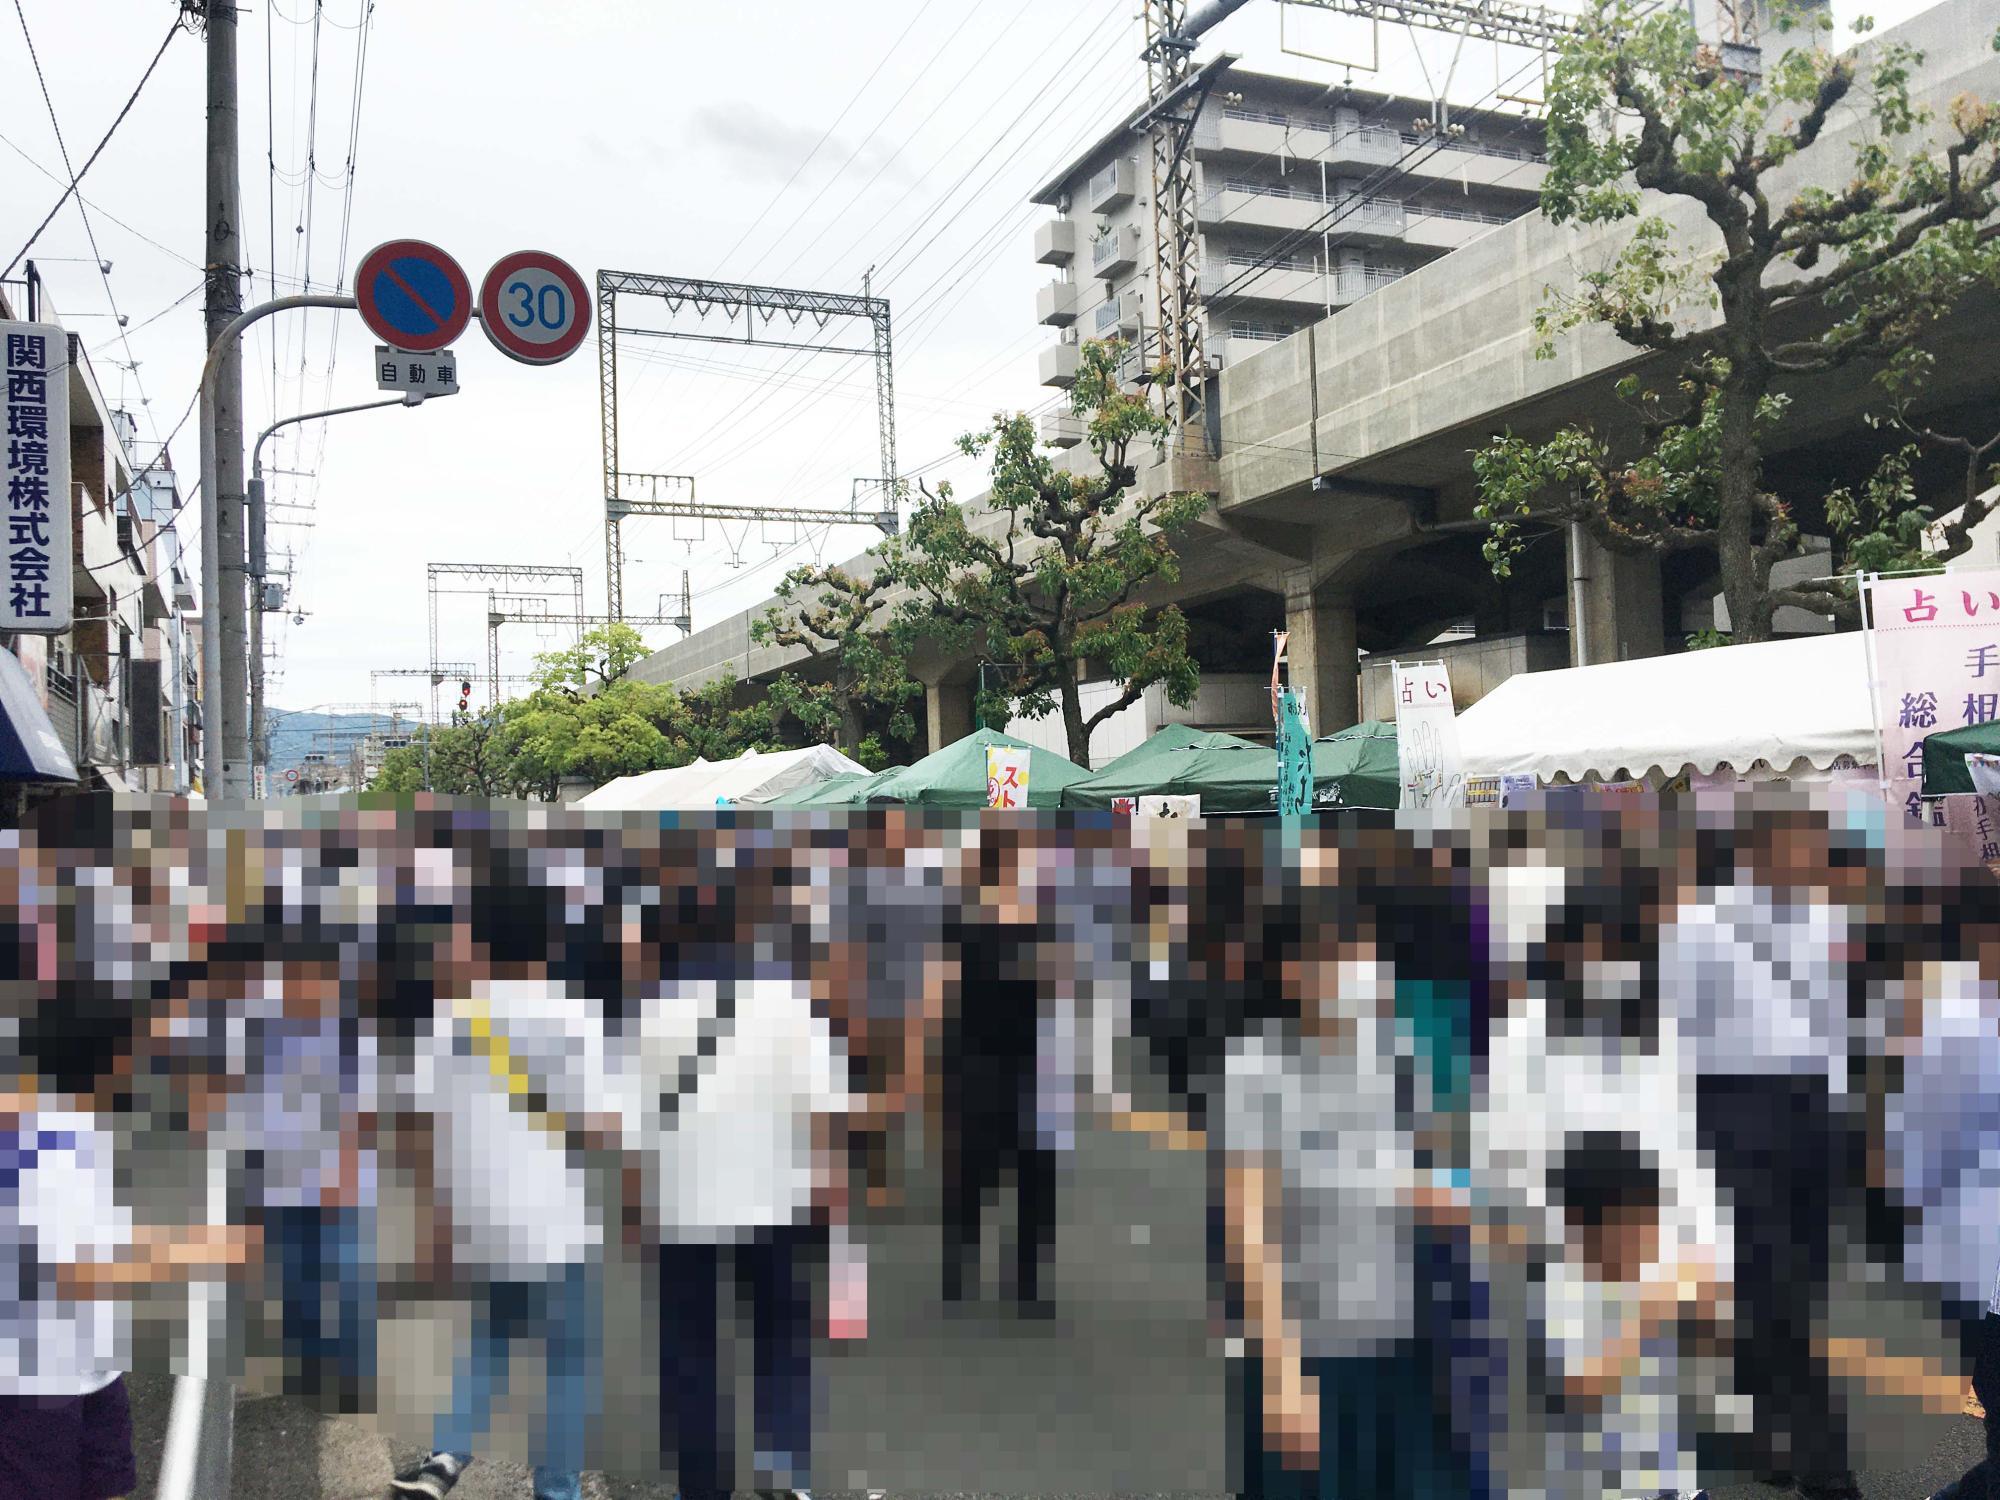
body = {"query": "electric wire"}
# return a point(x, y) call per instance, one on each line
point(76, 180)
point(90, 234)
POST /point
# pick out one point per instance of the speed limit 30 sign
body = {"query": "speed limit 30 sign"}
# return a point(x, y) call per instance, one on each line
point(534, 307)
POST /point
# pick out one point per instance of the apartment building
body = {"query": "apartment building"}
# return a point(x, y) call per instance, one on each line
point(118, 687)
point(1310, 196)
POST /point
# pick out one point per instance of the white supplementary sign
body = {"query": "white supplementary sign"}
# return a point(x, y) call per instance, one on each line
point(416, 374)
point(1936, 659)
point(1427, 753)
point(1006, 776)
point(34, 468)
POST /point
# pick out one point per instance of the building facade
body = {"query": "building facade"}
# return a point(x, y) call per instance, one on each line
point(119, 686)
point(1311, 197)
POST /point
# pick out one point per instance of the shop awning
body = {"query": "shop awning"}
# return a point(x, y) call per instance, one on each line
point(1782, 706)
point(30, 749)
point(750, 779)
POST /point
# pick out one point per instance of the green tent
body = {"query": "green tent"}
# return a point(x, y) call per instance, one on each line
point(1945, 752)
point(1174, 737)
point(1355, 768)
point(844, 790)
point(956, 775)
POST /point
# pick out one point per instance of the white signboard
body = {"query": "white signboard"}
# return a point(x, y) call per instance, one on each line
point(1165, 806)
point(1936, 661)
point(1007, 776)
point(1427, 753)
point(1974, 820)
point(416, 374)
point(257, 783)
point(34, 470)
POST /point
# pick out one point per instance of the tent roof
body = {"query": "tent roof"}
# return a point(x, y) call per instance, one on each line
point(844, 790)
point(750, 778)
point(1173, 737)
point(1779, 702)
point(956, 775)
point(1945, 770)
point(1240, 776)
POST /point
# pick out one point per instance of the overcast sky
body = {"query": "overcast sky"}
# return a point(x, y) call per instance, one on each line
point(790, 143)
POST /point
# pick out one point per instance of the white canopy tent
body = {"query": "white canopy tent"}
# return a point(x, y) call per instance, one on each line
point(748, 779)
point(1785, 708)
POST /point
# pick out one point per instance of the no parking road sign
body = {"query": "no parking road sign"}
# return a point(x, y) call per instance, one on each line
point(413, 296)
point(534, 307)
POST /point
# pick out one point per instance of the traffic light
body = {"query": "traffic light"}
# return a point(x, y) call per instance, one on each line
point(464, 698)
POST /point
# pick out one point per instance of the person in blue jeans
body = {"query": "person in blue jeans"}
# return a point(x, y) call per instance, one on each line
point(296, 1130)
point(499, 1093)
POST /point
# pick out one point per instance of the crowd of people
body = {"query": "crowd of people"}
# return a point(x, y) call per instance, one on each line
point(1548, 1155)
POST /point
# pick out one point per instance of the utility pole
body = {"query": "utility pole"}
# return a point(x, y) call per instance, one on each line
point(225, 646)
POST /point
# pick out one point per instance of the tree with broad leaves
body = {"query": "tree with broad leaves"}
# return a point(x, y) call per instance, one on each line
point(839, 619)
point(603, 655)
point(1059, 585)
point(1809, 281)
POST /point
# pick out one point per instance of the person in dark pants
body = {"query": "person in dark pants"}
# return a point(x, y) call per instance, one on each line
point(1752, 966)
point(989, 1082)
point(1982, 1338)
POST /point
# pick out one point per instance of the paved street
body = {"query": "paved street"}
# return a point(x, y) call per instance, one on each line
point(1120, 1396)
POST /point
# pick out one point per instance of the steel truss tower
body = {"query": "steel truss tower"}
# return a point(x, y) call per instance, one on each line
point(634, 493)
point(556, 580)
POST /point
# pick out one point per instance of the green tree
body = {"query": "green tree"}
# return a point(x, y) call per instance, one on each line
point(468, 759)
point(1058, 584)
point(603, 655)
point(708, 723)
point(1793, 282)
point(838, 619)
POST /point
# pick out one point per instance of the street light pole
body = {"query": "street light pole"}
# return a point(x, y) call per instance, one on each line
point(259, 754)
point(225, 722)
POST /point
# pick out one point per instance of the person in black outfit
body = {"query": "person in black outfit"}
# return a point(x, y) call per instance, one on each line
point(987, 1078)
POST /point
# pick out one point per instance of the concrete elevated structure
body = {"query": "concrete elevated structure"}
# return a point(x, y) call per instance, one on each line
point(1344, 485)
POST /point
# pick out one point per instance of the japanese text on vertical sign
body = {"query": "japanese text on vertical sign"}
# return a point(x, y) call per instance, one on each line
point(38, 582)
point(1937, 668)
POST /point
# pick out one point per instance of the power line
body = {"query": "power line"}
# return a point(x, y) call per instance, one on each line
point(859, 94)
point(90, 234)
point(77, 178)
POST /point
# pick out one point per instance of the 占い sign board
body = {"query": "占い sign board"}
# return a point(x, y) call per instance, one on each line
point(37, 593)
point(1935, 656)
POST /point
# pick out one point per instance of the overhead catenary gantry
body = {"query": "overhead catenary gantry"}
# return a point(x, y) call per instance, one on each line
point(557, 580)
point(630, 492)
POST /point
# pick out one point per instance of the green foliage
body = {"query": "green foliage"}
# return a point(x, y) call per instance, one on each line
point(1707, 640)
point(837, 618)
point(603, 656)
point(1638, 105)
point(1057, 583)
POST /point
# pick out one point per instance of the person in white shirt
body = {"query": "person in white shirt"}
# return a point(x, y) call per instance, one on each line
point(729, 1083)
point(1752, 970)
point(70, 1256)
point(508, 1082)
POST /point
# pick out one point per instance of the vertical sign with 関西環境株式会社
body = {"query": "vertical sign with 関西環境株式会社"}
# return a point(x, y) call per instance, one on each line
point(39, 591)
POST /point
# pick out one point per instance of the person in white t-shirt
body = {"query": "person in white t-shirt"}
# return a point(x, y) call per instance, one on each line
point(71, 1256)
point(731, 1086)
point(506, 1083)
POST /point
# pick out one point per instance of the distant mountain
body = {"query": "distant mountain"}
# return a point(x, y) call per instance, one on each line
point(295, 735)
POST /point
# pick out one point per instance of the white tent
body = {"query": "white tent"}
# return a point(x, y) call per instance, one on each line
point(748, 779)
point(1783, 707)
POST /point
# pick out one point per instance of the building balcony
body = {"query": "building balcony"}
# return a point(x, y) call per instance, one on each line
point(1117, 318)
point(1055, 304)
point(1113, 186)
point(1057, 365)
point(1448, 228)
point(1061, 429)
point(1115, 253)
point(1055, 242)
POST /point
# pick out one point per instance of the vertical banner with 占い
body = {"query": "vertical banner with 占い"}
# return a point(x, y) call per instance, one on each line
point(38, 596)
point(1427, 753)
point(1935, 655)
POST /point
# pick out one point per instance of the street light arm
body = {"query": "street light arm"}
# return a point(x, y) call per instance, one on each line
point(257, 451)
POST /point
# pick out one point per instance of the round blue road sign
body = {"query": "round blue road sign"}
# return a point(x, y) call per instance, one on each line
point(413, 296)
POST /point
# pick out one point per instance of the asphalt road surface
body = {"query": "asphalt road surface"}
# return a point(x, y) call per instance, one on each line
point(1121, 1395)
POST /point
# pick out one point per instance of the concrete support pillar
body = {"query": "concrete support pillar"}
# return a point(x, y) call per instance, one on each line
point(947, 712)
point(1325, 654)
point(1620, 616)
